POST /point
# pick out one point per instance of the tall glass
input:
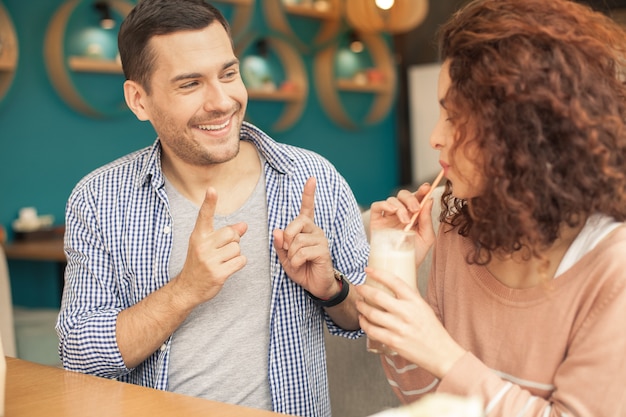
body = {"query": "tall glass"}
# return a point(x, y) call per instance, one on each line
point(393, 251)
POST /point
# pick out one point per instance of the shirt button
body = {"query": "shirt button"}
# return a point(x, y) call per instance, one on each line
point(163, 347)
point(167, 230)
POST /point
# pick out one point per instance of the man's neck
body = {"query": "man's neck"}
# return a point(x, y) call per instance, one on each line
point(234, 180)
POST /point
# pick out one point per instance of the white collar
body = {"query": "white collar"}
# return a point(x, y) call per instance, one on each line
point(594, 230)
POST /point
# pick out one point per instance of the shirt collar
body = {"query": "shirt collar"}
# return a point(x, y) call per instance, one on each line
point(278, 157)
point(151, 171)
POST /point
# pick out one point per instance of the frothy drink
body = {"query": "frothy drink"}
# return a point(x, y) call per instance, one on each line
point(393, 251)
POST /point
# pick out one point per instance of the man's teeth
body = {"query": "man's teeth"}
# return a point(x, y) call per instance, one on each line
point(214, 127)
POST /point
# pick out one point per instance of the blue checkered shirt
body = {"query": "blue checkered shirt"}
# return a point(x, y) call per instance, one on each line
point(118, 242)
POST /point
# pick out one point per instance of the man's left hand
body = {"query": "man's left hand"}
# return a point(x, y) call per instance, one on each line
point(303, 249)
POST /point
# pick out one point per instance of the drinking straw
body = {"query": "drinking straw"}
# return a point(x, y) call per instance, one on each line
point(426, 197)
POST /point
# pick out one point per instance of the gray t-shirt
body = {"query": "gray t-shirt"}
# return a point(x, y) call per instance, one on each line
point(220, 352)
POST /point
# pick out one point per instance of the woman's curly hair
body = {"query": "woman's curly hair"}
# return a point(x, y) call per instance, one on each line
point(537, 88)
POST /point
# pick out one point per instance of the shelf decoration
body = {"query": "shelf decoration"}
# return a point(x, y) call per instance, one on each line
point(8, 51)
point(327, 12)
point(256, 70)
point(390, 16)
point(379, 81)
point(263, 86)
point(60, 66)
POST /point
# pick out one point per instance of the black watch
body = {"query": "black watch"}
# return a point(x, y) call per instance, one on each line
point(339, 297)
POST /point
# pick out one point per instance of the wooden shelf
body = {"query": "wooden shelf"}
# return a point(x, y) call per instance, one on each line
point(6, 65)
point(350, 85)
point(276, 95)
point(9, 53)
point(295, 72)
point(86, 64)
point(242, 15)
point(61, 66)
point(329, 89)
point(277, 14)
point(311, 11)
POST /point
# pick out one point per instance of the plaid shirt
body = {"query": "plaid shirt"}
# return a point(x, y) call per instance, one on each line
point(118, 242)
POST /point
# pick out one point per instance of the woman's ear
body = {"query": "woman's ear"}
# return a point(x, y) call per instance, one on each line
point(135, 97)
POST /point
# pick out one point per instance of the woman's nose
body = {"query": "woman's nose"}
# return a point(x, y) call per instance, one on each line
point(437, 139)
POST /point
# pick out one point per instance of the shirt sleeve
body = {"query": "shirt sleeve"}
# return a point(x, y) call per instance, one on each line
point(408, 381)
point(87, 319)
point(348, 242)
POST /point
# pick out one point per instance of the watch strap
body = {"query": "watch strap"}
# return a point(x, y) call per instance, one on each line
point(337, 298)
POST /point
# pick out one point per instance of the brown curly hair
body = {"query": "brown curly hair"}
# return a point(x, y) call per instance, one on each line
point(537, 88)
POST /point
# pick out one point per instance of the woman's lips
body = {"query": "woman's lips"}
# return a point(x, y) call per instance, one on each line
point(445, 167)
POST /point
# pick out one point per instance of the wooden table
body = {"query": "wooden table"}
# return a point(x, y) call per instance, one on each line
point(50, 250)
point(39, 390)
point(36, 250)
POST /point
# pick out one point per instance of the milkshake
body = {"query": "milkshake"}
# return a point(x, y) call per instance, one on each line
point(393, 251)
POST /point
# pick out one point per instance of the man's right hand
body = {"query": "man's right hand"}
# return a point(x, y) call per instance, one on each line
point(212, 256)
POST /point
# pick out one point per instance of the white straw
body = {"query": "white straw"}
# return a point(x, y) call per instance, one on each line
point(426, 197)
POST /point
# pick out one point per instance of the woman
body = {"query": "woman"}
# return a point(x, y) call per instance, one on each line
point(527, 293)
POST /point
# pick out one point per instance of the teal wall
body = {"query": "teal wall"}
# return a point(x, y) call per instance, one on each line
point(46, 146)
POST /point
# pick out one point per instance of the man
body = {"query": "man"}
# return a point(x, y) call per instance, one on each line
point(208, 263)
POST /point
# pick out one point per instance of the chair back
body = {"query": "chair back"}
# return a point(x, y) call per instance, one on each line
point(7, 326)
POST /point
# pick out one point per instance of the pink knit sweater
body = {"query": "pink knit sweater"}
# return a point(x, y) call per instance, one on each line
point(554, 350)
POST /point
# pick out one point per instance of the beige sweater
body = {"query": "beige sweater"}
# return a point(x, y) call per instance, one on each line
point(557, 350)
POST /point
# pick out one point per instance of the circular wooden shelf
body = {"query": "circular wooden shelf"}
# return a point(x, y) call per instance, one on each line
point(95, 65)
point(60, 66)
point(8, 51)
point(329, 88)
point(241, 17)
point(277, 13)
point(295, 73)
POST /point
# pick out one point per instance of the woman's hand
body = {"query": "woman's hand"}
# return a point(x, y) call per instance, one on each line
point(405, 323)
point(396, 213)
